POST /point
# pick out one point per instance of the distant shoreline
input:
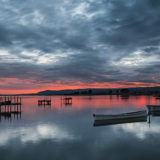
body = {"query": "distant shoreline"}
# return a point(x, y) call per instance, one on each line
point(93, 91)
point(79, 94)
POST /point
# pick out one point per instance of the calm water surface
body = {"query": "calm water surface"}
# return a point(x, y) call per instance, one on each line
point(66, 132)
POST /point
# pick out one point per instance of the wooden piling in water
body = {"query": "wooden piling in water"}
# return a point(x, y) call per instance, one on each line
point(10, 105)
point(68, 100)
point(44, 101)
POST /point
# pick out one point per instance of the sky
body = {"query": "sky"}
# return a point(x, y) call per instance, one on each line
point(70, 44)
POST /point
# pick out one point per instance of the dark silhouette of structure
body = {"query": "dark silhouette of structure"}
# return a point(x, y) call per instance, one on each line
point(46, 101)
point(10, 107)
point(67, 100)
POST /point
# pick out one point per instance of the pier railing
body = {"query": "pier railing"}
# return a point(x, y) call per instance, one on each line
point(45, 101)
point(67, 100)
point(10, 105)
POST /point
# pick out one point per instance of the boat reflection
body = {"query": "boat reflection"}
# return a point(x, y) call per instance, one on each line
point(120, 121)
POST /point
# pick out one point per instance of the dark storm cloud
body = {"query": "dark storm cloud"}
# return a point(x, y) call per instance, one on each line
point(151, 72)
point(87, 41)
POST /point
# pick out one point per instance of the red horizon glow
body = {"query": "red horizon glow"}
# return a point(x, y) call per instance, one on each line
point(81, 102)
point(17, 86)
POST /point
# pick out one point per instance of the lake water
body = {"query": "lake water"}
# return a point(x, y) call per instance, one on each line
point(66, 132)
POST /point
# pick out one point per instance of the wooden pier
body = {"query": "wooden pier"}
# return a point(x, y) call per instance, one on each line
point(44, 102)
point(68, 100)
point(10, 105)
point(10, 100)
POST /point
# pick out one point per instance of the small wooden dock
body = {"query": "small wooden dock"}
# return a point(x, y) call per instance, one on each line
point(10, 100)
point(68, 100)
point(46, 101)
point(10, 105)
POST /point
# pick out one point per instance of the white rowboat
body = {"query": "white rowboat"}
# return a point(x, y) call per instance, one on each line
point(153, 108)
point(122, 116)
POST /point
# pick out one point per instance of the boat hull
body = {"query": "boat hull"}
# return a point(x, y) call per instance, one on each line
point(123, 116)
point(153, 108)
point(118, 121)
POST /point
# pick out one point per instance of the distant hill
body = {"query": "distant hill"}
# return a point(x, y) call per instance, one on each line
point(75, 91)
point(91, 91)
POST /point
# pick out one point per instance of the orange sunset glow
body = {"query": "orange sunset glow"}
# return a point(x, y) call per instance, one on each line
point(32, 86)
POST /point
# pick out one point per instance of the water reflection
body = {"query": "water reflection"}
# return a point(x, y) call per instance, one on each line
point(10, 116)
point(10, 112)
point(62, 132)
point(140, 130)
point(34, 133)
point(119, 121)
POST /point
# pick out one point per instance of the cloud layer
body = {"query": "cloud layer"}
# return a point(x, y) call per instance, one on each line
point(54, 42)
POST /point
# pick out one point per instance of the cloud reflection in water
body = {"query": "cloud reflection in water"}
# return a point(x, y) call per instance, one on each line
point(140, 130)
point(34, 134)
